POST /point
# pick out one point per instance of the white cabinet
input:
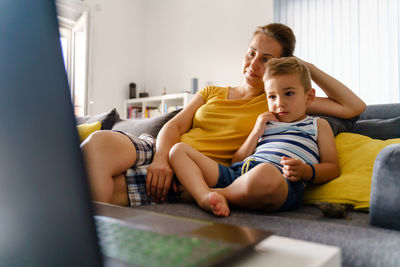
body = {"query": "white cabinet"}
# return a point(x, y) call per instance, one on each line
point(146, 107)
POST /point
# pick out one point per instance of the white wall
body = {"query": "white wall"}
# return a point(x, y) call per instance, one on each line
point(157, 43)
point(115, 52)
point(205, 39)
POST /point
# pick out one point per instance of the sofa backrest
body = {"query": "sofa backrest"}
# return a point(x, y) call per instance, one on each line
point(381, 111)
point(379, 122)
point(151, 126)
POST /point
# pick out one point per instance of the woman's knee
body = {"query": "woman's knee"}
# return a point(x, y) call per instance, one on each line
point(97, 140)
point(110, 151)
point(108, 142)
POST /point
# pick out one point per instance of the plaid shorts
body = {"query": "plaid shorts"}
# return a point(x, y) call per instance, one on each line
point(136, 175)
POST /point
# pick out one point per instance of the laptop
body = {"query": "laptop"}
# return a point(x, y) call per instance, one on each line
point(47, 216)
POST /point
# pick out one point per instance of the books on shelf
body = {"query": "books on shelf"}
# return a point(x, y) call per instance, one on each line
point(168, 108)
point(137, 112)
point(134, 112)
point(172, 108)
point(150, 112)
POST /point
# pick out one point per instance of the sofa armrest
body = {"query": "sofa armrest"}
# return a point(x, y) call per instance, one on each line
point(385, 188)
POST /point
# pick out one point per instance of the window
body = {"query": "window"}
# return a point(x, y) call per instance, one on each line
point(356, 41)
point(74, 42)
point(65, 39)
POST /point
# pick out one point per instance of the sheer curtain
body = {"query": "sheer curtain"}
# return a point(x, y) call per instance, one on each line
point(356, 41)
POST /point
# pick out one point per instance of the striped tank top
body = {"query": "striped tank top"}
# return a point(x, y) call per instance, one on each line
point(291, 139)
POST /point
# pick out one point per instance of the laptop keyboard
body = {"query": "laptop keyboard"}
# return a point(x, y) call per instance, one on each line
point(144, 248)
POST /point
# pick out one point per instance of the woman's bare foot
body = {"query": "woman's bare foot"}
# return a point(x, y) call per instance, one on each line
point(218, 204)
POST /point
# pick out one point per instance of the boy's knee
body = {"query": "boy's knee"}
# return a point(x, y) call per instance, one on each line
point(267, 180)
point(177, 149)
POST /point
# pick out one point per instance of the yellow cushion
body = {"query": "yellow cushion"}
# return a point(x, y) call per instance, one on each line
point(86, 129)
point(357, 154)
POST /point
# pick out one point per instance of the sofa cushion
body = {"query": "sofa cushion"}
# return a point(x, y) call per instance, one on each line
point(107, 119)
point(378, 128)
point(356, 154)
point(85, 129)
point(151, 126)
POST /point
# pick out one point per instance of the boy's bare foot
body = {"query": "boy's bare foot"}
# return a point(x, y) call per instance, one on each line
point(184, 195)
point(218, 204)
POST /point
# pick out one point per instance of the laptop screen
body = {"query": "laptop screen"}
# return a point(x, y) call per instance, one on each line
point(45, 208)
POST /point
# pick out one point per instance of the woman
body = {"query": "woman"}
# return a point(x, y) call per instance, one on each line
point(224, 114)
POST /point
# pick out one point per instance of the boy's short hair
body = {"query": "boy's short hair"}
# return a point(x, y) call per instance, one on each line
point(288, 65)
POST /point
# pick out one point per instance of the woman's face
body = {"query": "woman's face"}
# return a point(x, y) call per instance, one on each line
point(261, 49)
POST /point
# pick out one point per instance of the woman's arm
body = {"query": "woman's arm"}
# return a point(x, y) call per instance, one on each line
point(160, 173)
point(341, 101)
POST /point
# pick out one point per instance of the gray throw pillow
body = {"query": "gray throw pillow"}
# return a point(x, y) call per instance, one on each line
point(382, 129)
point(151, 126)
point(107, 119)
point(340, 125)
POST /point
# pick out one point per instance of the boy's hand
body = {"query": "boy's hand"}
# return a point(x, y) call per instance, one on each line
point(293, 169)
point(261, 123)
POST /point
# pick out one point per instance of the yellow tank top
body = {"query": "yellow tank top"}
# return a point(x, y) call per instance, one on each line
point(221, 125)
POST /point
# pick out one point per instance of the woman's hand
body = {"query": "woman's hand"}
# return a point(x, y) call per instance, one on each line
point(159, 173)
point(341, 101)
point(159, 178)
point(308, 65)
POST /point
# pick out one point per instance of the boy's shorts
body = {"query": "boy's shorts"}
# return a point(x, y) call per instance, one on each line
point(229, 174)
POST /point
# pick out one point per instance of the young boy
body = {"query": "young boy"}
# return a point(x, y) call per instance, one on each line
point(301, 148)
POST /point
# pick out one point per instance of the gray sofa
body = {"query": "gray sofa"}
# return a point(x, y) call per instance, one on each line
point(366, 239)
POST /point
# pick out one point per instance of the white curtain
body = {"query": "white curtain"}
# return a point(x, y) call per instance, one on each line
point(356, 41)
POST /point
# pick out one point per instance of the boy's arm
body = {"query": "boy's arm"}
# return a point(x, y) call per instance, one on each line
point(248, 147)
point(328, 169)
point(325, 171)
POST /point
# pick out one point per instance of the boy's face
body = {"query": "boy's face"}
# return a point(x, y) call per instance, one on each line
point(287, 98)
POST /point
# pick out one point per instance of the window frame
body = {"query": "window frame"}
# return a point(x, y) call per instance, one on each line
point(68, 28)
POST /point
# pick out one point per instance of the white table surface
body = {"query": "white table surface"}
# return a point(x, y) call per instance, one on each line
point(287, 252)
